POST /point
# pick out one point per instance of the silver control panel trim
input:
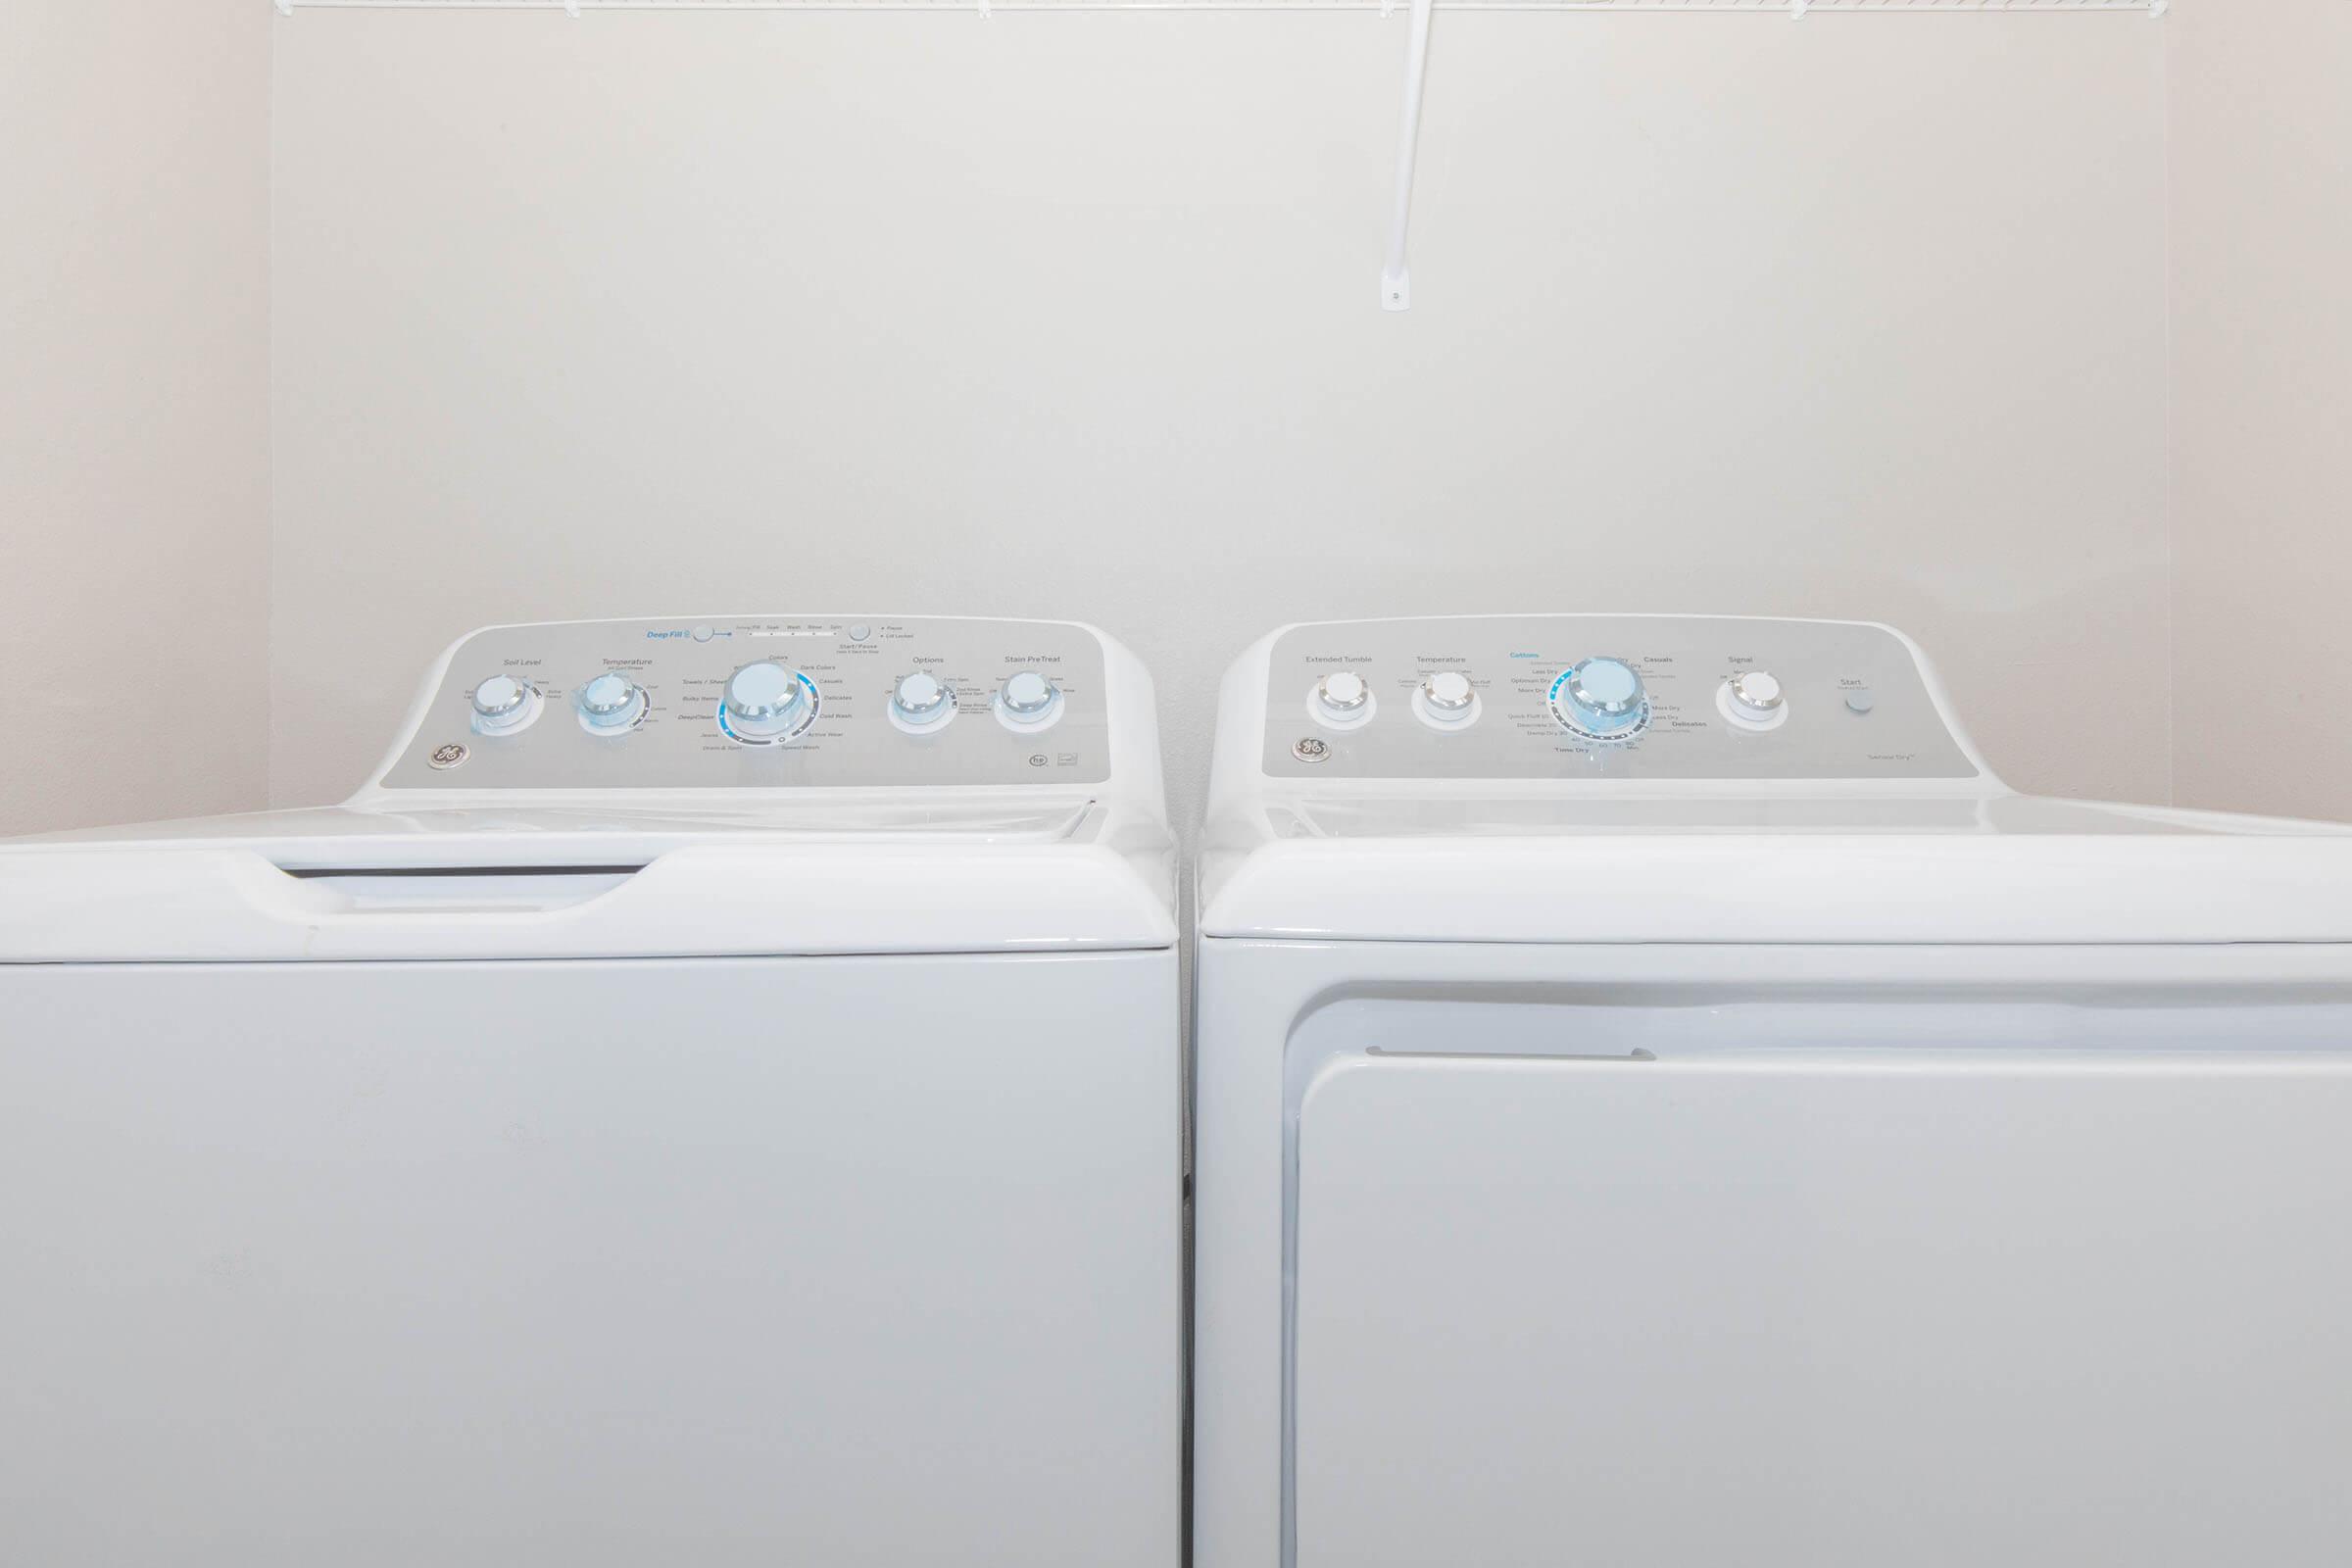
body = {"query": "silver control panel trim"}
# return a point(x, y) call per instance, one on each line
point(852, 665)
point(1853, 702)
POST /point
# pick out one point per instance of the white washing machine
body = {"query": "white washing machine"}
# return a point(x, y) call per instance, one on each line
point(714, 1097)
point(1662, 1100)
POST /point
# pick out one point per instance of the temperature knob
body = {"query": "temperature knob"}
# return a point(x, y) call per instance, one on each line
point(1028, 701)
point(921, 702)
point(767, 704)
point(1342, 700)
point(1752, 700)
point(503, 705)
point(1446, 700)
point(610, 703)
point(1600, 697)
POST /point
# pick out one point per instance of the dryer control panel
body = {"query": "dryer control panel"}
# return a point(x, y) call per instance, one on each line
point(763, 702)
point(1604, 697)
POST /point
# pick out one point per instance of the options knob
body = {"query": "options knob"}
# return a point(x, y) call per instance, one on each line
point(1028, 701)
point(1752, 700)
point(1446, 700)
point(1342, 700)
point(767, 704)
point(610, 703)
point(1600, 697)
point(503, 705)
point(921, 702)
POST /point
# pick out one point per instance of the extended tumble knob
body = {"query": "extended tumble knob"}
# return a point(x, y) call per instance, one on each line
point(921, 701)
point(1600, 697)
point(610, 703)
point(1342, 700)
point(766, 703)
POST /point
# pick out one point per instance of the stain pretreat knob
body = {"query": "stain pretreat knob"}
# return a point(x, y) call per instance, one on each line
point(921, 702)
point(1342, 700)
point(610, 705)
point(1446, 700)
point(1028, 701)
point(503, 705)
point(1752, 700)
point(766, 703)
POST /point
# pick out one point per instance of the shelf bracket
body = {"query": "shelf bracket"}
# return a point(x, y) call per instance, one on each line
point(1396, 279)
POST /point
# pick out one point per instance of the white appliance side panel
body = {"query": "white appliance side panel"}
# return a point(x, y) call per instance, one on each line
point(1851, 1308)
point(819, 1260)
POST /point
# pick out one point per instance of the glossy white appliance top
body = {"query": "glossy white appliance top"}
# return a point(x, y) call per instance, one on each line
point(1676, 778)
point(693, 786)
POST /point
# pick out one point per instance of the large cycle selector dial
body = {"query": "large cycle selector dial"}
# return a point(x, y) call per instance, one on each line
point(921, 702)
point(1600, 698)
point(611, 704)
point(767, 704)
point(1028, 701)
point(503, 705)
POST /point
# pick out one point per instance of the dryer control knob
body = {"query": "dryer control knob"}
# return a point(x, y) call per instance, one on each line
point(1752, 700)
point(503, 705)
point(1757, 694)
point(921, 701)
point(1342, 700)
point(1449, 691)
point(766, 703)
point(1600, 697)
point(1446, 701)
point(1028, 701)
point(610, 703)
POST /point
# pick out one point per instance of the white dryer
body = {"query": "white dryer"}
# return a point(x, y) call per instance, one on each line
point(1662, 1100)
point(714, 1097)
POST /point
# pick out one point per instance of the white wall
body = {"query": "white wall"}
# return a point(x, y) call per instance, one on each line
point(1075, 314)
point(135, 504)
point(2262, 453)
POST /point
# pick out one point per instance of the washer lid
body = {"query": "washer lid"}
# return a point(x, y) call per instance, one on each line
point(2006, 870)
point(848, 876)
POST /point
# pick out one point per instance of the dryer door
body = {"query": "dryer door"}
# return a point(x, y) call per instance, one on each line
point(1845, 1306)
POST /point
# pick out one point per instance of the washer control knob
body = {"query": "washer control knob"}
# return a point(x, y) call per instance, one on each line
point(921, 701)
point(610, 703)
point(1601, 697)
point(1755, 695)
point(1028, 701)
point(765, 703)
point(505, 703)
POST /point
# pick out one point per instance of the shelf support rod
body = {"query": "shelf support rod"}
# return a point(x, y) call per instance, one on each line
point(1396, 279)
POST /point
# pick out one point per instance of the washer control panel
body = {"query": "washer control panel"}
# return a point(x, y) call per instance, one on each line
point(763, 704)
point(1604, 697)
